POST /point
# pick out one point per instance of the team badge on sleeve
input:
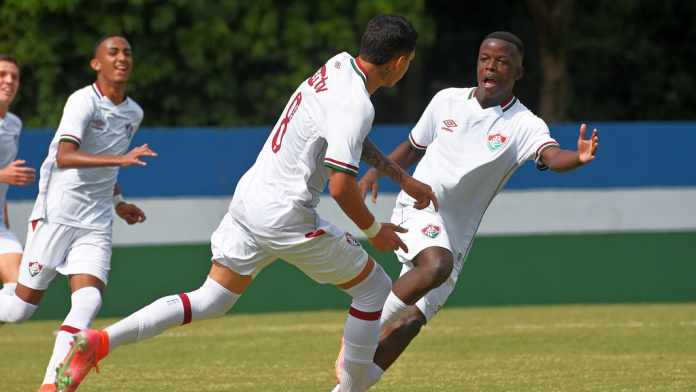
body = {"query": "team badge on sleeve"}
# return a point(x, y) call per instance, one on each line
point(496, 141)
point(431, 231)
point(35, 268)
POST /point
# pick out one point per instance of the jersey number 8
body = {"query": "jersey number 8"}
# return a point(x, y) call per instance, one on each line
point(283, 127)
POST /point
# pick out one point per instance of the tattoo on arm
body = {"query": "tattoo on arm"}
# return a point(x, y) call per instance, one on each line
point(385, 166)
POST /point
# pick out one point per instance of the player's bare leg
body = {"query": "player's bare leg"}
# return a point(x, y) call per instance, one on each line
point(9, 270)
point(86, 300)
point(214, 298)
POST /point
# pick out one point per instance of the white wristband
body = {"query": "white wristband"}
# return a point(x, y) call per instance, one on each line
point(118, 199)
point(372, 231)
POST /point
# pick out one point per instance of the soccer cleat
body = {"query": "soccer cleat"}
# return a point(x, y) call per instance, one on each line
point(88, 347)
point(47, 388)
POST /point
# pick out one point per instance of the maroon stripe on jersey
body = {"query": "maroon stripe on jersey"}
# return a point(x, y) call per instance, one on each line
point(187, 308)
point(96, 90)
point(508, 104)
point(473, 91)
point(416, 145)
point(544, 146)
point(367, 316)
point(315, 233)
point(69, 329)
point(342, 164)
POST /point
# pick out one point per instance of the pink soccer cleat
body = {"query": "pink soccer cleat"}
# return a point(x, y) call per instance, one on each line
point(47, 388)
point(88, 348)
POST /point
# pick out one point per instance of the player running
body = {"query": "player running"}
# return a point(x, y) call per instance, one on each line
point(70, 226)
point(12, 172)
point(319, 136)
point(469, 141)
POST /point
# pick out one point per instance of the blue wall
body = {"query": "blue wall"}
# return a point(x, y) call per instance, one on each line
point(208, 162)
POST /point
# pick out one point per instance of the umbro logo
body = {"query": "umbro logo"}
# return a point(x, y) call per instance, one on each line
point(449, 124)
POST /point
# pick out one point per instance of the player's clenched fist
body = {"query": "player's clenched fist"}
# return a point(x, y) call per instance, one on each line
point(387, 239)
point(130, 213)
point(133, 156)
point(17, 174)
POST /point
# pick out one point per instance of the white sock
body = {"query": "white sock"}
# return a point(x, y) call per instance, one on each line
point(361, 332)
point(210, 300)
point(374, 373)
point(394, 308)
point(8, 288)
point(14, 310)
point(86, 303)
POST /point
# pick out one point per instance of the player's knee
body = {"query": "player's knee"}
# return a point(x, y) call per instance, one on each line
point(211, 300)
point(438, 271)
point(14, 310)
point(370, 294)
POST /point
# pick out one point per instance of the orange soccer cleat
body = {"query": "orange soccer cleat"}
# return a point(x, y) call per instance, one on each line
point(88, 348)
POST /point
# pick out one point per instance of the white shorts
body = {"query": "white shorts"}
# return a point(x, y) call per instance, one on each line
point(426, 229)
point(8, 241)
point(54, 248)
point(324, 252)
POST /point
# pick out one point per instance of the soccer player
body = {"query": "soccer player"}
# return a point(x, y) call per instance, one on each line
point(467, 143)
point(319, 136)
point(70, 226)
point(12, 172)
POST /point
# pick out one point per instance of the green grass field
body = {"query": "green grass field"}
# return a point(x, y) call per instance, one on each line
point(541, 348)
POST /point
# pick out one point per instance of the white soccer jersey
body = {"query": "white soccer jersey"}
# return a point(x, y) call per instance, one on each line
point(83, 197)
point(10, 128)
point(470, 153)
point(323, 126)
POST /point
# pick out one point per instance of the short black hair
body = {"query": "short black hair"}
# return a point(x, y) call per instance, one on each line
point(9, 59)
point(104, 38)
point(385, 37)
point(508, 37)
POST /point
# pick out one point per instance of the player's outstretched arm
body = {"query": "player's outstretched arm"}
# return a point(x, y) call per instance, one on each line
point(344, 189)
point(129, 212)
point(17, 174)
point(563, 160)
point(70, 156)
point(392, 168)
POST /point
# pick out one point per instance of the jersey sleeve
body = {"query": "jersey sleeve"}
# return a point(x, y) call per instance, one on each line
point(425, 130)
point(538, 139)
point(345, 139)
point(76, 116)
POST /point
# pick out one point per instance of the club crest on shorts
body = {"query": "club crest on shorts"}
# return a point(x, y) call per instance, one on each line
point(431, 231)
point(496, 141)
point(351, 240)
point(35, 268)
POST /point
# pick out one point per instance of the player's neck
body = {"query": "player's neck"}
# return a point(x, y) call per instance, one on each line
point(373, 81)
point(116, 92)
point(490, 101)
point(3, 110)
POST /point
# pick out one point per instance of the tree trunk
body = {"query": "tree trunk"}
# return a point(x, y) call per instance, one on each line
point(552, 19)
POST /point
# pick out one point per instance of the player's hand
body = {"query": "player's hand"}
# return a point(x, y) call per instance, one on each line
point(130, 213)
point(369, 182)
point(133, 156)
point(423, 193)
point(17, 174)
point(387, 239)
point(587, 148)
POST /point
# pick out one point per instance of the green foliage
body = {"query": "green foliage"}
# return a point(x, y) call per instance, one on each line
point(197, 62)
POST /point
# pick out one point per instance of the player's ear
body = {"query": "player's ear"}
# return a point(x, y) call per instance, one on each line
point(520, 72)
point(95, 64)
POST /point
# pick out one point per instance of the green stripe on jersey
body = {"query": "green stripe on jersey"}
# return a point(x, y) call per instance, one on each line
point(340, 169)
point(357, 70)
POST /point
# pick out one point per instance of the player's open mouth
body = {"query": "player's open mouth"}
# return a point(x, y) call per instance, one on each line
point(489, 82)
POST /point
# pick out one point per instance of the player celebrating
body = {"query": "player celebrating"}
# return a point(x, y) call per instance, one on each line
point(469, 142)
point(12, 172)
point(318, 137)
point(70, 226)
